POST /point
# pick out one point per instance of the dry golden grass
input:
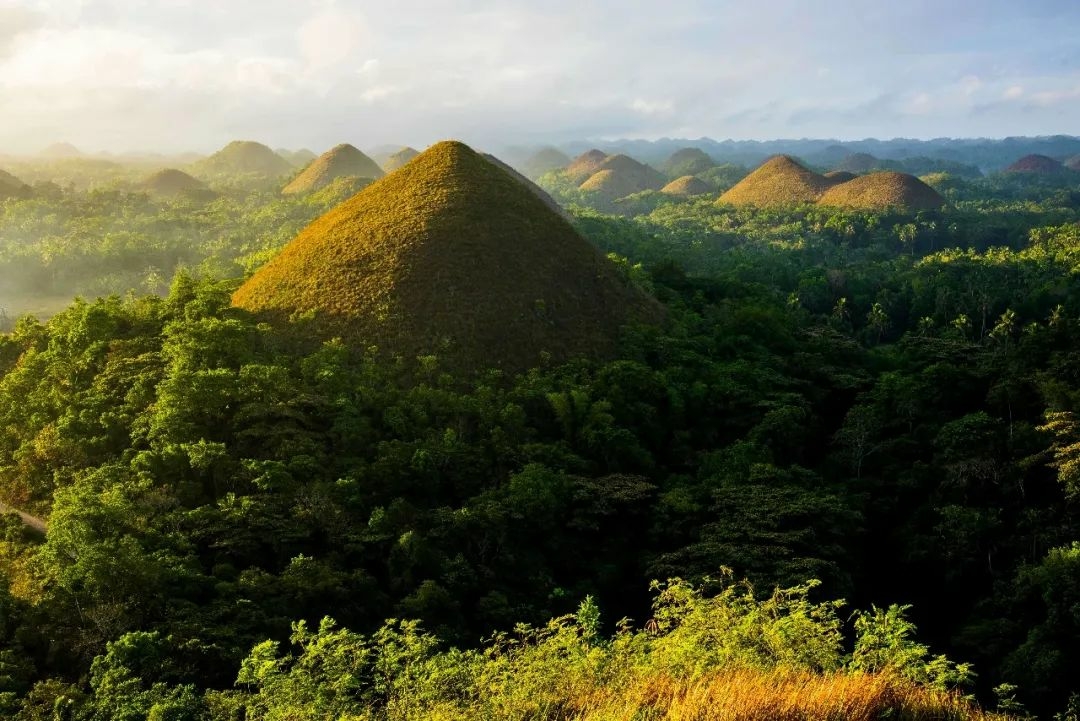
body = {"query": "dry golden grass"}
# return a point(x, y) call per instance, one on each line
point(1037, 165)
point(686, 186)
point(451, 255)
point(881, 191)
point(341, 161)
point(585, 165)
point(398, 159)
point(620, 175)
point(243, 157)
point(779, 181)
point(750, 695)
point(171, 182)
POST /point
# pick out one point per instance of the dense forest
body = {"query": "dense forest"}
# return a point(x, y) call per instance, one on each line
point(877, 406)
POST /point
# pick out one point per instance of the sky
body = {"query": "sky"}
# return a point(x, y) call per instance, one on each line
point(178, 75)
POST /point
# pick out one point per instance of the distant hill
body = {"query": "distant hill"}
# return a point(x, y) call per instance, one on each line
point(585, 165)
point(725, 176)
point(296, 158)
point(840, 176)
point(242, 157)
point(341, 161)
point(172, 182)
point(688, 161)
point(398, 159)
point(1036, 165)
point(686, 186)
point(860, 163)
point(61, 150)
point(883, 190)
point(544, 161)
point(451, 255)
point(1073, 163)
point(620, 175)
point(779, 181)
point(12, 187)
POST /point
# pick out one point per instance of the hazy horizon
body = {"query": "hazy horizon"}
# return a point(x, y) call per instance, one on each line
point(118, 76)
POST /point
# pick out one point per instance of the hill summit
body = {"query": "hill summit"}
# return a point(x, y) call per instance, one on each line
point(1036, 165)
point(451, 255)
point(341, 161)
point(884, 190)
point(585, 165)
point(688, 161)
point(780, 180)
point(243, 157)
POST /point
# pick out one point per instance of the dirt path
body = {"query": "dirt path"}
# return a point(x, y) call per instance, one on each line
point(34, 523)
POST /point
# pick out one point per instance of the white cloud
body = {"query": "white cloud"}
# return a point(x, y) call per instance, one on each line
point(330, 38)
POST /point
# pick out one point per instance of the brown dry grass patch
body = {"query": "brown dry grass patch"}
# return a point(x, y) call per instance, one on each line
point(779, 181)
point(881, 191)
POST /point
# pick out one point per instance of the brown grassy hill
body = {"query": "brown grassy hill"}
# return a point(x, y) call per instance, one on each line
point(242, 157)
point(688, 161)
point(398, 159)
point(1073, 163)
point(452, 255)
point(533, 188)
point(341, 161)
point(687, 186)
point(620, 175)
point(840, 176)
point(12, 187)
point(585, 165)
point(879, 191)
point(544, 161)
point(171, 182)
point(780, 180)
point(1036, 165)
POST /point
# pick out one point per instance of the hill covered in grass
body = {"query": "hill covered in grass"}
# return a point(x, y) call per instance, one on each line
point(341, 161)
point(585, 165)
point(688, 161)
point(779, 181)
point(243, 157)
point(687, 186)
point(172, 182)
point(840, 176)
point(297, 158)
point(397, 159)
point(451, 255)
point(883, 190)
point(544, 161)
point(1036, 164)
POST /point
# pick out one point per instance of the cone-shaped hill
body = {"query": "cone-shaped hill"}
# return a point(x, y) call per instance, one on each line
point(688, 161)
point(620, 175)
point(780, 180)
point(172, 182)
point(585, 165)
point(859, 163)
point(451, 255)
point(1036, 165)
point(342, 161)
point(12, 187)
point(687, 186)
point(1073, 163)
point(544, 161)
point(61, 150)
point(398, 159)
point(242, 157)
point(884, 190)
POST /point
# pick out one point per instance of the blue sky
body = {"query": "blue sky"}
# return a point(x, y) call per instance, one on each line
point(193, 74)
